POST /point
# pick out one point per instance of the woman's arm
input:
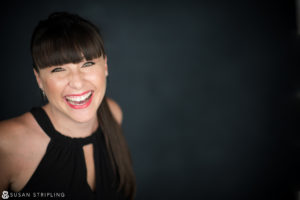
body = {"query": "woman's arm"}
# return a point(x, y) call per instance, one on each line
point(5, 158)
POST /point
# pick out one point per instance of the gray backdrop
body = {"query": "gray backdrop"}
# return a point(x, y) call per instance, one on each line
point(208, 90)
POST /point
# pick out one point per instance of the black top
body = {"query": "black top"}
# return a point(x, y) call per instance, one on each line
point(62, 170)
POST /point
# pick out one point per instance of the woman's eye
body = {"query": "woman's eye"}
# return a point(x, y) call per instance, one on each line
point(87, 64)
point(57, 69)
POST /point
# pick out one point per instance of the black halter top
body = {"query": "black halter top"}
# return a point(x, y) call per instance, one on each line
point(62, 171)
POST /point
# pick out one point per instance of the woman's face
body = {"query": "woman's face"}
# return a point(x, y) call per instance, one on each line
point(75, 90)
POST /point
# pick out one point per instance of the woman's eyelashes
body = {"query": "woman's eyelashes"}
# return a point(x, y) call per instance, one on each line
point(57, 69)
point(87, 64)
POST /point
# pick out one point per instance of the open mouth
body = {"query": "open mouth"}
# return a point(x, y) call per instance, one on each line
point(79, 100)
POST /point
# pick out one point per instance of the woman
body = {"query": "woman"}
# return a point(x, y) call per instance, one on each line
point(72, 147)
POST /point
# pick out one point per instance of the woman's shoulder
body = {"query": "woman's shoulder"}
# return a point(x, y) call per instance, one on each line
point(17, 131)
point(19, 138)
point(15, 127)
point(12, 140)
point(115, 109)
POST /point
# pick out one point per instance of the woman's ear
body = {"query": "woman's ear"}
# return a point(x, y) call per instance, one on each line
point(38, 79)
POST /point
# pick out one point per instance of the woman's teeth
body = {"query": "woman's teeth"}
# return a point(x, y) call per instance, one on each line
point(79, 100)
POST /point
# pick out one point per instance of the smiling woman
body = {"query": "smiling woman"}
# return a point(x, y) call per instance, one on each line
point(74, 144)
point(74, 90)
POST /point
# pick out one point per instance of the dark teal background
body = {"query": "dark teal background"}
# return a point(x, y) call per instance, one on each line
point(208, 90)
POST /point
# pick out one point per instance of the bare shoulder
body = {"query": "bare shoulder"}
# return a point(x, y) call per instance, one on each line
point(18, 131)
point(22, 144)
point(115, 109)
point(11, 140)
point(11, 128)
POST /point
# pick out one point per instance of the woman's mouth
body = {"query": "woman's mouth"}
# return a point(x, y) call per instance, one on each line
point(79, 101)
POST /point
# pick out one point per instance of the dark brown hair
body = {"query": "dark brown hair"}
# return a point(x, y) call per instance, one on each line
point(67, 38)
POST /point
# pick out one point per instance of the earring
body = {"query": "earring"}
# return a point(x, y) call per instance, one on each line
point(44, 95)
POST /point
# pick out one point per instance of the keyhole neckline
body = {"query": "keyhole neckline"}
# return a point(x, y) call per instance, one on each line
point(47, 126)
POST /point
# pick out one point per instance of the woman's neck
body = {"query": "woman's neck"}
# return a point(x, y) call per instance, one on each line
point(66, 126)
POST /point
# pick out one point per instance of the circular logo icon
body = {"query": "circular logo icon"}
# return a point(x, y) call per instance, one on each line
point(5, 195)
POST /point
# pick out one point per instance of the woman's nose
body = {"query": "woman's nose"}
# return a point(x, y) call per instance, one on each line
point(76, 80)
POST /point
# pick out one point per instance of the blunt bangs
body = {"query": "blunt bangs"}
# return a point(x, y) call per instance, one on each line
point(67, 41)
